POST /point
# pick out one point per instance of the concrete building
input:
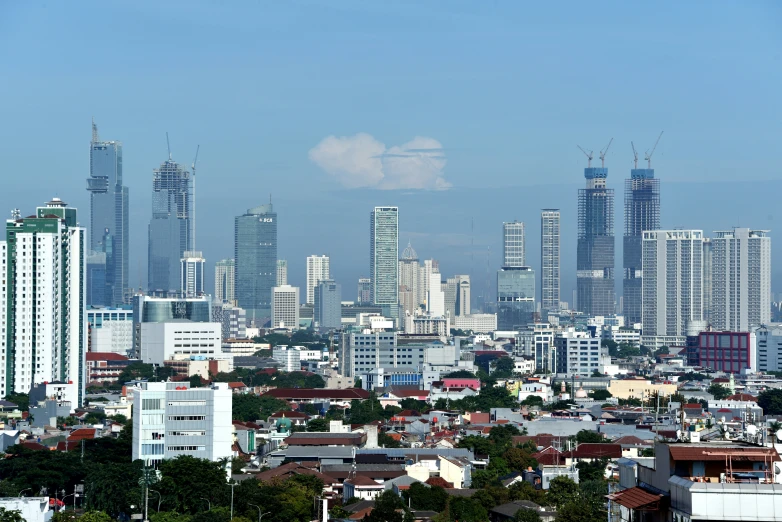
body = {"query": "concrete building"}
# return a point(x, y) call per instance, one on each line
point(639, 388)
point(457, 295)
point(427, 324)
point(111, 330)
point(328, 304)
point(741, 279)
point(621, 335)
point(233, 320)
point(285, 307)
point(255, 254)
point(192, 273)
point(318, 269)
point(435, 298)
point(595, 255)
point(411, 291)
point(515, 297)
point(579, 354)
point(42, 300)
point(537, 340)
point(149, 309)
point(179, 338)
point(672, 278)
point(282, 272)
point(769, 348)
point(225, 286)
point(549, 259)
point(708, 268)
point(364, 296)
point(31, 509)
point(289, 358)
point(171, 419)
point(731, 352)
point(383, 259)
point(476, 323)
point(513, 248)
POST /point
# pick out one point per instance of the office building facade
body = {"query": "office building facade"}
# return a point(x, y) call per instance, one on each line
point(328, 304)
point(707, 275)
point(457, 296)
point(282, 272)
point(110, 330)
point(672, 292)
point(318, 270)
point(192, 274)
point(769, 348)
point(255, 255)
point(383, 259)
point(225, 286)
point(411, 295)
point(741, 279)
point(364, 294)
point(595, 255)
point(43, 300)
point(179, 339)
point(149, 309)
point(642, 213)
point(513, 248)
point(515, 297)
point(109, 224)
point(285, 307)
point(579, 354)
point(170, 230)
point(549, 259)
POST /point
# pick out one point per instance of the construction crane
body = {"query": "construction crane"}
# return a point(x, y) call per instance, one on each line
point(635, 156)
point(589, 155)
point(648, 155)
point(603, 153)
point(193, 167)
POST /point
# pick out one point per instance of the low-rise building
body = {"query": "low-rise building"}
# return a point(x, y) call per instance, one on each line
point(621, 335)
point(199, 365)
point(478, 323)
point(639, 388)
point(105, 366)
point(456, 470)
point(289, 358)
point(178, 337)
point(31, 509)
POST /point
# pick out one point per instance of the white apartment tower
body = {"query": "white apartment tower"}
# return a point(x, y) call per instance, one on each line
point(435, 300)
point(43, 323)
point(513, 251)
point(741, 279)
point(672, 286)
point(457, 295)
point(384, 259)
point(285, 307)
point(282, 272)
point(224, 281)
point(317, 270)
point(192, 274)
point(411, 294)
point(549, 259)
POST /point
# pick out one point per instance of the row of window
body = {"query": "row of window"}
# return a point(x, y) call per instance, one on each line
point(187, 448)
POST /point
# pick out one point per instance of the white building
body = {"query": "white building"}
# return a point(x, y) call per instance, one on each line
point(317, 270)
point(741, 279)
point(672, 293)
point(411, 288)
point(426, 324)
point(435, 300)
point(225, 282)
point(42, 300)
point(32, 509)
point(282, 272)
point(285, 307)
point(242, 347)
point(171, 419)
point(192, 273)
point(513, 251)
point(549, 259)
point(538, 341)
point(621, 335)
point(769, 348)
point(579, 354)
point(179, 339)
point(232, 319)
point(289, 358)
point(457, 295)
point(478, 323)
point(111, 330)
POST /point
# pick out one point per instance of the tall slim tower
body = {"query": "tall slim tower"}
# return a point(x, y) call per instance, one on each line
point(549, 259)
point(170, 230)
point(410, 289)
point(255, 255)
point(109, 214)
point(741, 279)
point(642, 213)
point(513, 251)
point(318, 270)
point(192, 273)
point(384, 259)
point(225, 270)
point(595, 256)
point(44, 329)
point(282, 272)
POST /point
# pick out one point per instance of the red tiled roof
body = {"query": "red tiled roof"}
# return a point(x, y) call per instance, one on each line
point(236, 385)
point(318, 393)
point(743, 397)
point(32, 445)
point(701, 452)
point(439, 481)
point(548, 457)
point(82, 433)
point(290, 469)
point(105, 356)
point(361, 480)
point(630, 440)
point(635, 498)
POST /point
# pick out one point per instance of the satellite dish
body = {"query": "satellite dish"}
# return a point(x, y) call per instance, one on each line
point(751, 430)
point(777, 470)
point(725, 428)
point(779, 434)
point(722, 419)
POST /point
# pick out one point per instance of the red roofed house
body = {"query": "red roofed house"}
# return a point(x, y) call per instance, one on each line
point(589, 452)
point(311, 395)
point(238, 387)
point(362, 487)
point(105, 366)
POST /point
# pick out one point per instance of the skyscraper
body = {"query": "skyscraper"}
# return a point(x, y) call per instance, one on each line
point(327, 311)
point(42, 303)
point(285, 307)
point(435, 299)
point(642, 213)
point(109, 214)
point(741, 279)
point(255, 255)
point(317, 270)
point(672, 284)
point(170, 230)
point(457, 295)
point(410, 289)
point(549, 259)
point(225, 270)
point(282, 272)
point(595, 255)
point(383, 259)
point(364, 296)
point(513, 251)
point(192, 273)
point(707, 275)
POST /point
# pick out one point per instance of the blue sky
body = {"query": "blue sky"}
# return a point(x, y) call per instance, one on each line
point(501, 92)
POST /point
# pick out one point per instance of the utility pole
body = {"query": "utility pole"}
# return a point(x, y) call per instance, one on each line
point(232, 498)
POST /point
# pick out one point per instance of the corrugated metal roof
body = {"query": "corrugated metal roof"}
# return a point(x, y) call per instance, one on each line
point(635, 498)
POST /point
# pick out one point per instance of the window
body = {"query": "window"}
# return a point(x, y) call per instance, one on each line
point(186, 417)
point(190, 433)
point(186, 448)
point(187, 403)
point(151, 404)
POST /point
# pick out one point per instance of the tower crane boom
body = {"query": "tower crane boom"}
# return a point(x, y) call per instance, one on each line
point(589, 155)
point(648, 155)
point(604, 152)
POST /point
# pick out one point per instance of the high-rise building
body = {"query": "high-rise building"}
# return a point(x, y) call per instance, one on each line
point(457, 295)
point(170, 230)
point(741, 279)
point(192, 273)
point(317, 270)
point(549, 259)
point(42, 301)
point(410, 289)
point(430, 266)
point(672, 292)
point(435, 299)
point(282, 272)
point(328, 304)
point(642, 213)
point(384, 259)
point(98, 291)
point(285, 307)
point(255, 255)
point(364, 296)
point(707, 274)
point(513, 251)
point(595, 255)
point(150, 309)
point(224, 281)
point(109, 223)
point(515, 297)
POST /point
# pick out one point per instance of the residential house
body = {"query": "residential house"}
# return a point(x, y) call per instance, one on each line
point(456, 470)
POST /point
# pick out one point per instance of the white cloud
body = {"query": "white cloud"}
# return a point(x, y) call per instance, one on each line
point(362, 161)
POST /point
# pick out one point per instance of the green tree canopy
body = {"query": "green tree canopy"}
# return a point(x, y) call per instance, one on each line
point(463, 509)
point(424, 497)
point(589, 436)
point(503, 367)
point(771, 401)
point(389, 508)
point(319, 424)
point(526, 515)
point(719, 391)
point(600, 395)
point(248, 407)
point(562, 490)
point(20, 399)
point(7, 515)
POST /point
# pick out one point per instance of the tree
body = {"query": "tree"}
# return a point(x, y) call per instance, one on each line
point(386, 441)
point(460, 374)
point(415, 405)
point(136, 371)
point(561, 491)
point(389, 508)
point(594, 470)
point(95, 516)
point(467, 510)
point(504, 367)
point(182, 493)
point(195, 381)
point(580, 512)
point(519, 459)
point(771, 401)
point(600, 395)
point(249, 407)
point(426, 498)
point(533, 400)
point(721, 392)
point(119, 418)
point(20, 399)
point(7, 515)
point(319, 424)
point(589, 436)
point(337, 512)
point(526, 515)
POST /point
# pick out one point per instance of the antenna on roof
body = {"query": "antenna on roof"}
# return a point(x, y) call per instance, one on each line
point(168, 144)
point(94, 131)
point(198, 148)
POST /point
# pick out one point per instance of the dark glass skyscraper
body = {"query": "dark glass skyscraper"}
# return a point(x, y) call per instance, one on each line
point(642, 212)
point(255, 254)
point(515, 297)
point(108, 217)
point(171, 229)
point(595, 256)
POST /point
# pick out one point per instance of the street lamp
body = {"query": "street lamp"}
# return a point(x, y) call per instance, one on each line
point(260, 515)
point(74, 495)
point(159, 498)
point(20, 493)
point(209, 503)
point(232, 499)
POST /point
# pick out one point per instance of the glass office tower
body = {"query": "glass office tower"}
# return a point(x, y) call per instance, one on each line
point(255, 256)
point(549, 259)
point(384, 259)
point(515, 297)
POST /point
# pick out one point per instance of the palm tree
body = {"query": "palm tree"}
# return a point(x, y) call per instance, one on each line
point(774, 426)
